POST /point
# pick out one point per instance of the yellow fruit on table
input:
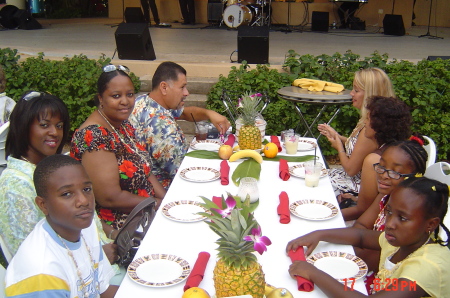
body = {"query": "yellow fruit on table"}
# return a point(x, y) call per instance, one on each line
point(195, 292)
point(225, 151)
point(236, 148)
point(268, 289)
point(280, 293)
point(270, 150)
point(246, 153)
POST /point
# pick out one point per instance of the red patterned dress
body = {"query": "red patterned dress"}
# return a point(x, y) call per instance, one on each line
point(133, 172)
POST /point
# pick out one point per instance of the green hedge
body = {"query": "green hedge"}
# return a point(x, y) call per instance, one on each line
point(423, 86)
point(74, 80)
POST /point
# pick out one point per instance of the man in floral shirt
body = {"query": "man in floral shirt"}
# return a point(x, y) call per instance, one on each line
point(155, 114)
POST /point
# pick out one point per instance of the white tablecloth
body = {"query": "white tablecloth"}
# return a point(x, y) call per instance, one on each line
point(186, 240)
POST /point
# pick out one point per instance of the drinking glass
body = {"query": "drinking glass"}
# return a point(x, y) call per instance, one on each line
point(291, 143)
point(312, 173)
point(248, 186)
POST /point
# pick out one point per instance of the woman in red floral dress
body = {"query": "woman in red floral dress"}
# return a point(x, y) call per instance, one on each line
point(118, 166)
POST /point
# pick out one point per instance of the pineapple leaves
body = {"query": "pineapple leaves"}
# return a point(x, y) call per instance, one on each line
point(247, 168)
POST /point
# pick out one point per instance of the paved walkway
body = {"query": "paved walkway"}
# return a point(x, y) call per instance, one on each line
point(213, 45)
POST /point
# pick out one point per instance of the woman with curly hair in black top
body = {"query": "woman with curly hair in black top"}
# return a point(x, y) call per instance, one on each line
point(388, 120)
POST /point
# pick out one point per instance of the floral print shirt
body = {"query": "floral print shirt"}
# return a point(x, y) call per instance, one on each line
point(157, 130)
point(134, 167)
point(19, 212)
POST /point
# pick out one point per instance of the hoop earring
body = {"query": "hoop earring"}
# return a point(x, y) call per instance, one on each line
point(101, 106)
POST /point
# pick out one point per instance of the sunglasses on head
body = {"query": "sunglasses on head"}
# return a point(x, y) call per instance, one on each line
point(33, 94)
point(111, 67)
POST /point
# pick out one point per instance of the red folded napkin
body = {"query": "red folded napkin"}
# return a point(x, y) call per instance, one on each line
point(224, 172)
point(284, 170)
point(276, 141)
point(196, 275)
point(230, 140)
point(302, 283)
point(283, 208)
point(217, 201)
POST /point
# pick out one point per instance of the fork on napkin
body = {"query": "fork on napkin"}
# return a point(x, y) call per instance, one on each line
point(198, 271)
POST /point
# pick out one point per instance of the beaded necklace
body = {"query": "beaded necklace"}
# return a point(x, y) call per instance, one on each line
point(80, 277)
point(384, 273)
point(135, 148)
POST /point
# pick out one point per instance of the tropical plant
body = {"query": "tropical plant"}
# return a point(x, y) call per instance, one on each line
point(237, 271)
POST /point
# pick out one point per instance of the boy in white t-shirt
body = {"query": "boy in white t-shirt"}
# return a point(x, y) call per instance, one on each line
point(62, 256)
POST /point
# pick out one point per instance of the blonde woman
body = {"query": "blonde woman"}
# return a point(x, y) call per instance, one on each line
point(353, 149)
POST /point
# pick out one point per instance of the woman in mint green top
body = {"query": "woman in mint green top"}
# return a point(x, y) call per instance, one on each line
point(39, 126)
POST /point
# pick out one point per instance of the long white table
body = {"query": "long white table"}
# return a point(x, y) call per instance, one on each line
point(186, 240)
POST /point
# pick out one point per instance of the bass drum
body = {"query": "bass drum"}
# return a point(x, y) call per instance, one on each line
point(236, 15)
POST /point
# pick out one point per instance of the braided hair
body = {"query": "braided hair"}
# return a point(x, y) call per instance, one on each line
point(416, 152)
point(435, 195)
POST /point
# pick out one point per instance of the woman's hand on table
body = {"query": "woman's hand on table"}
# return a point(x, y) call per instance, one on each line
point(309, 240)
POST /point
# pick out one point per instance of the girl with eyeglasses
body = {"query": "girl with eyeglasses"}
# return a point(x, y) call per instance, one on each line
point(39, 126)
point(120, 169)
point(414, 261)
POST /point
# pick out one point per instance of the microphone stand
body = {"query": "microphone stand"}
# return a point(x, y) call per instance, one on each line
point(429, 21)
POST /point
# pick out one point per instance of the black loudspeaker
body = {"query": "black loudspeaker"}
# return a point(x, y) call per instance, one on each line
point(215, 12)
point(320, 20)
point(393, 25)
point(253, 44)
point(432, 58)
point(134, 15)
point(7, 19)
point(133, 42)
point(26, 21)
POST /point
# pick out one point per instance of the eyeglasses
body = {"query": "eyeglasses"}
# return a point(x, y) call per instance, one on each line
point(111, 67)
point(32, 95)
point(392, 174)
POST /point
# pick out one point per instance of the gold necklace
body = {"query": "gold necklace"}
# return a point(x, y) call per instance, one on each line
point(136, 150)
point(384, 273)
point(80, 277)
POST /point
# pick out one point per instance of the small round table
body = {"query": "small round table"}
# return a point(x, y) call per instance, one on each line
point(324, 98)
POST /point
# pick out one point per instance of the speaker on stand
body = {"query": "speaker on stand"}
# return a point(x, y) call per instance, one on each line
point(134, 15)
point(393, 25)
point(215, 11)
point(253, 44)
point(320, 20)
point(133, 42)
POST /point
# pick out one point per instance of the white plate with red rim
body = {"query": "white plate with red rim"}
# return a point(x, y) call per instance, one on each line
point(313, 209)
point(184, 211)
point(340, 265)
point(199, 174)
point(210, 145)
point(159, 270)
point(299, 171)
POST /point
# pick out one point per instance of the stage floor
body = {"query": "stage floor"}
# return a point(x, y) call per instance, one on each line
point(213, 45)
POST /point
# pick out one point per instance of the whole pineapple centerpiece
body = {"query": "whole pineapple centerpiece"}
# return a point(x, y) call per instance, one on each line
point(237, 270)
point(249, 134)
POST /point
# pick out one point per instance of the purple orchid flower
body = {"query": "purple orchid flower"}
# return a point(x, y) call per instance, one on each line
point(231, 203)
point(240, 105)
point(256, 95)
point(260, 242)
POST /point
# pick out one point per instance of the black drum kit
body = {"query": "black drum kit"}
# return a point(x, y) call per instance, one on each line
point(246, 13)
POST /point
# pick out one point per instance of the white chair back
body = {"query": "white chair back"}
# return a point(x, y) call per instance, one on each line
point(5, 250)
point(2, 281)
point(3, 133)
point(436, 172)
point(431, 150)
